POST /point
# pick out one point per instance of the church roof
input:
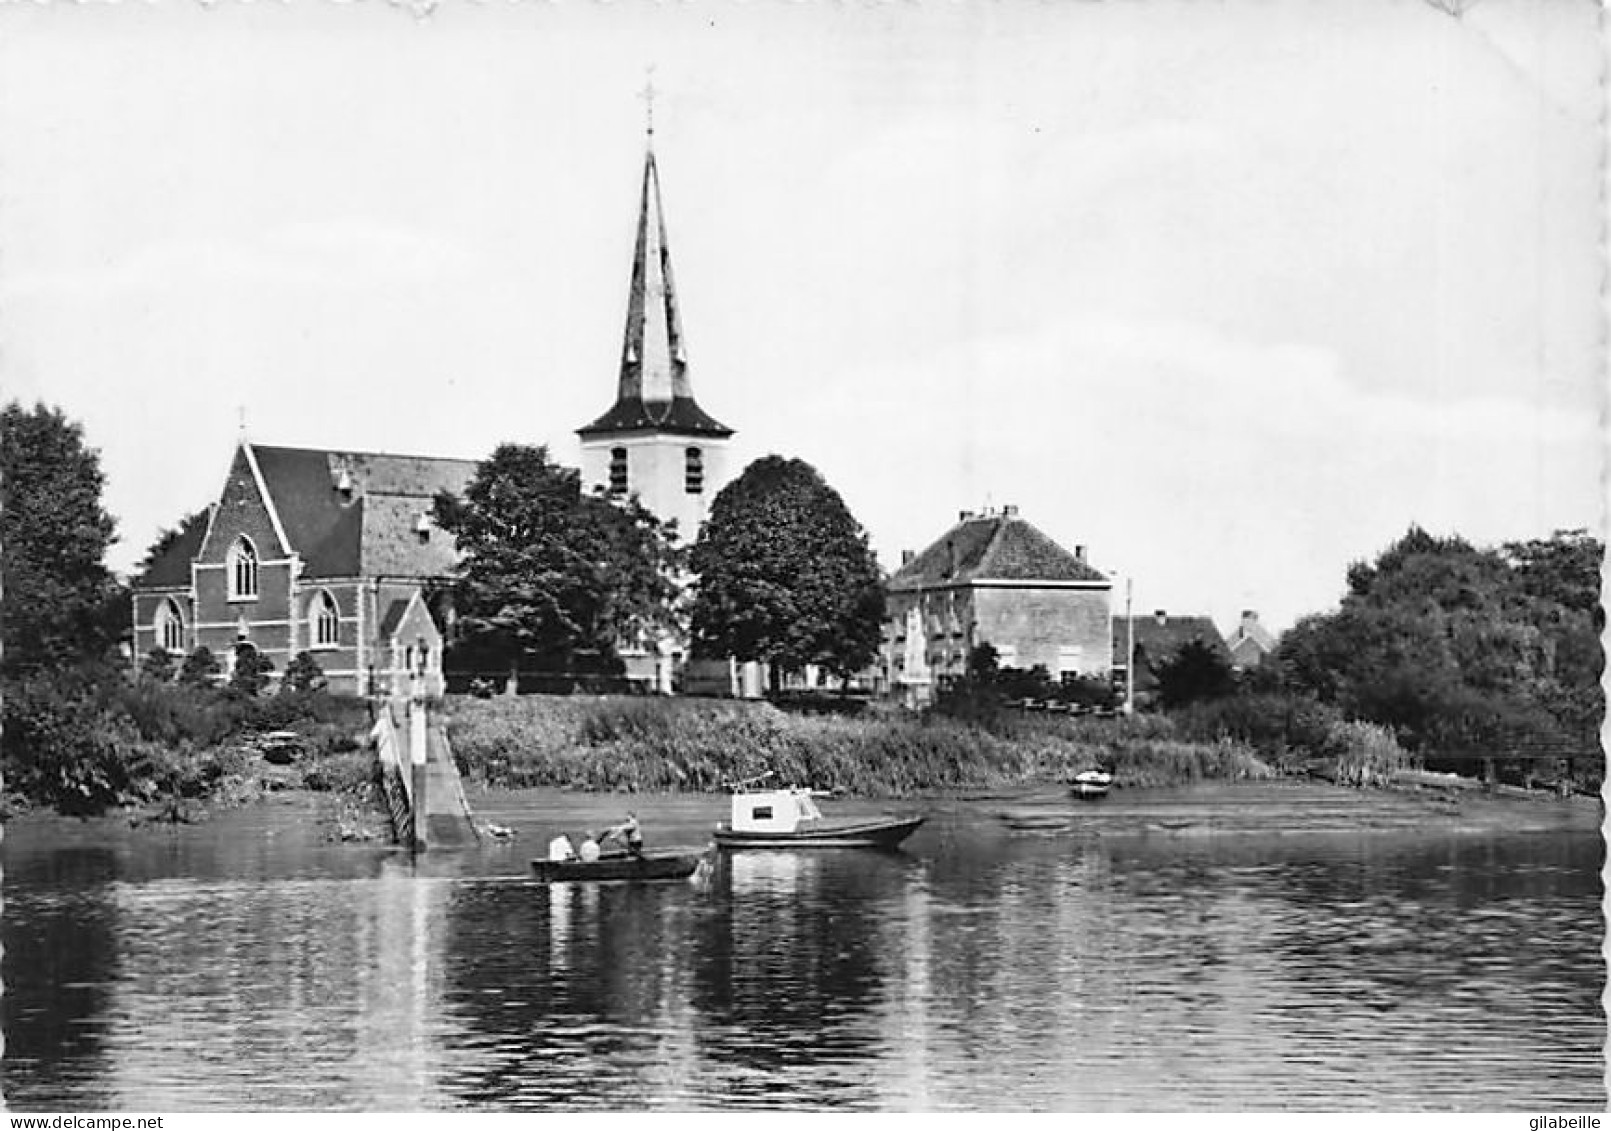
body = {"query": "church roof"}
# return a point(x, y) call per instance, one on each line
point(653, 391)
point(369, 529)
point(355, 514)
point(997, 547)
point(171, 568)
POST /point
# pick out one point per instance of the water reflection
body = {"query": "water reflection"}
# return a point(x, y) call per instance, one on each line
point(60, 967)
point(982, 969)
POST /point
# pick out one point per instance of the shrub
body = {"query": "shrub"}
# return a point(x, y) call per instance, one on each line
point(200, 668)
point(252, 673)
point(1364, 753)
point(158, 666)
point(618, 743)
point(303, 675)
point(1286, 729)
point(63, 747)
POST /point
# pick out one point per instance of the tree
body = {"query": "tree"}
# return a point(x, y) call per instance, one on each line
point(61, 601)
point(550, 574)
point(303, 676)
point(785, 574)
point(1195, 672)
point(252, 673)
point(158, 666)
point(1462, 650)
point(200, 669)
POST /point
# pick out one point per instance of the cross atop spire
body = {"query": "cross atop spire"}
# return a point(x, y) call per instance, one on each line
point(647, 94)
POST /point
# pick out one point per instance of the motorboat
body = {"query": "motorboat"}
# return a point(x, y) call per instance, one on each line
point(789, 818)
point(667, 864)
point(1091, 784)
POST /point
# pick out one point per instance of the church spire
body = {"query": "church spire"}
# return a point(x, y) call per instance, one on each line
point(653, 390)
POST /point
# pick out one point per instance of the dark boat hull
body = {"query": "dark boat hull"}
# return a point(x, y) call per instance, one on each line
point(882, 833)
point(649, 866)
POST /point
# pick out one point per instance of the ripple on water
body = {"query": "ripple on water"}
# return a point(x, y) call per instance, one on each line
point(979, 970)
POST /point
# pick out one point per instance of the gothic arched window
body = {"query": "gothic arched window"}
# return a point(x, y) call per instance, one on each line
point(694, 471)
point(324, 621)
point(170, 628)
point(242, 565)
point(618, 471)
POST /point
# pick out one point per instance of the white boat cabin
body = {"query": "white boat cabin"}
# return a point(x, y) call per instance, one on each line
point(774, 811)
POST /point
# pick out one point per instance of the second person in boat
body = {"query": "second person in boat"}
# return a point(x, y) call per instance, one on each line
point(628, 833)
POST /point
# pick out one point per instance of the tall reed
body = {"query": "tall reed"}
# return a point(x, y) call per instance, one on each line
point(613, 743)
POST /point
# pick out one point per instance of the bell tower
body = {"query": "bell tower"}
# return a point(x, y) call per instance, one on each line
point(655, 441)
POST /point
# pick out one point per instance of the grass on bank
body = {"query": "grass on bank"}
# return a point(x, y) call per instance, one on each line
point(616, 743)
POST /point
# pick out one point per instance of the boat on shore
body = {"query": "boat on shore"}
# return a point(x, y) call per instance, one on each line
point(666, 864)
point(789, 818)
point(1091, 784)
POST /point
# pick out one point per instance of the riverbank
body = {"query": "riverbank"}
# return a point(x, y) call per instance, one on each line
point(637, 745)
point(1222, 817)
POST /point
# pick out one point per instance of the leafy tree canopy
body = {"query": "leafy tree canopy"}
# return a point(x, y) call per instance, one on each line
point(200, 668)
point(1461, 649)
point(61, 603)
point(1196, 671)
point(549, 573)
point(785, 573)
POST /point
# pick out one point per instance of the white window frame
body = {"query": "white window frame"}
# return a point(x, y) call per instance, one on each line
point(169, 627)
point(243, 562)
point(324, 621)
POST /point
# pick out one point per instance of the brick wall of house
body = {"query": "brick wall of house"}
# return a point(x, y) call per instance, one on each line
point(947, 617)
point(1058, 628)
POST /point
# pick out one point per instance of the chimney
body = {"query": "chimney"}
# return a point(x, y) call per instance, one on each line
point(344, 482)
point(1009, 510)
point(907, 556)
point(1079, 554)
point(964, 516)
point(1160, 616)
point(1250, 617)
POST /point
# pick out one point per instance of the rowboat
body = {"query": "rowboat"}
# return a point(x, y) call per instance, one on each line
point(1091, 784)
point(671, 864)
point(789, 818)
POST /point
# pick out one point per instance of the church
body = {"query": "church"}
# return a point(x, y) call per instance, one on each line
point(336, 554)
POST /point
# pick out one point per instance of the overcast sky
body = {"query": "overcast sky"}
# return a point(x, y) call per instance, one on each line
point(1229, 293)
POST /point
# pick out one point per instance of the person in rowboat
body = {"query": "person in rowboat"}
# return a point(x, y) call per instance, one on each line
point(589, 851)
point(628, 833)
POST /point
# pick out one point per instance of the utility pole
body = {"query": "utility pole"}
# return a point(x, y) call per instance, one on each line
point(1129, 650)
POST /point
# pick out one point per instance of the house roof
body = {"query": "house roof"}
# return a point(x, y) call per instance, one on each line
point(1250, 630)
point(171, 568)
point(653, 392)
point(393, 617)
point(1160, 636)
point(997, 546)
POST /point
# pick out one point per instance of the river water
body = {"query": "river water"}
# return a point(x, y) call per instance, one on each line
point(1252, 947)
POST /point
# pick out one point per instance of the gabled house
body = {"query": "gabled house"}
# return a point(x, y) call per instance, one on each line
point(1250, 642)
point(329, 552)
point(1158, 638)
point(993, 578)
